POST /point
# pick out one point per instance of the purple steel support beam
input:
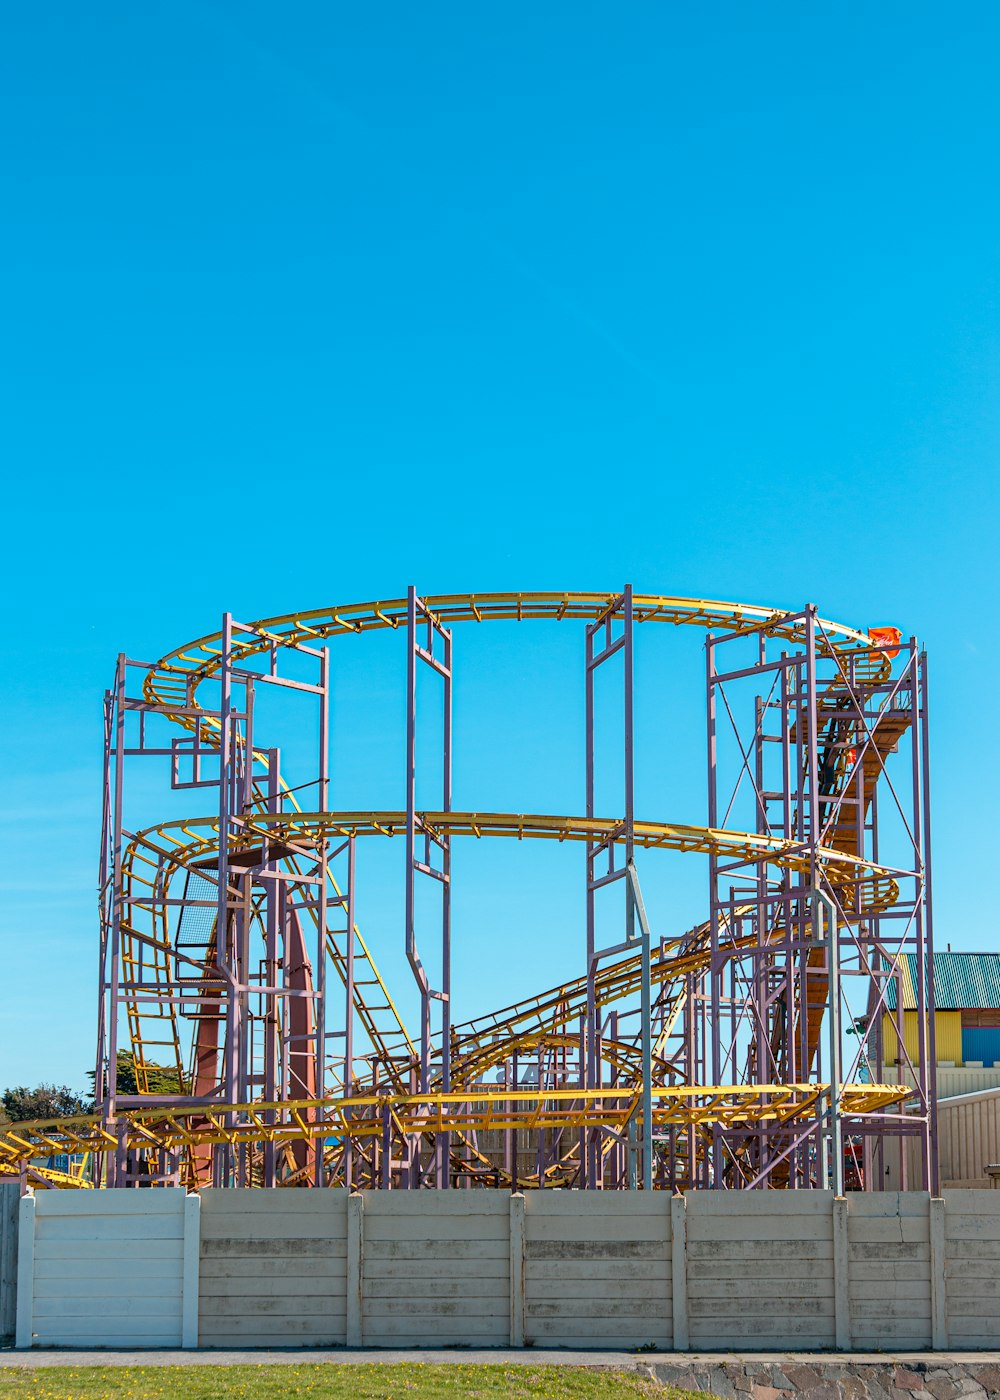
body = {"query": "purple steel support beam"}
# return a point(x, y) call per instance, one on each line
point(443, 1144)
point(272, 923)
point(109, 1070)
point(715, 968)
point(923, 712)
point(591, 1141)
point(418, 616)
point(349, 1006)
point(412, 957)
point(588, 1029)
point(924, 975)
point(226, 934)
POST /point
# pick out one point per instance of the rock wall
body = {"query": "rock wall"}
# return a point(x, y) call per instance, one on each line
point(938, 1378)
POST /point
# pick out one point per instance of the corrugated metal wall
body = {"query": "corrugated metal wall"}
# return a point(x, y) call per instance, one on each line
point(981, 1043)
point(969, 1135)
point(948, 1029)
point(968, 1140)
point(952, 1083)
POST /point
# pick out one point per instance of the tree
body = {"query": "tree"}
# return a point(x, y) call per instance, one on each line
point(21, 1104)
point(159, 1078)
point(47, 1101)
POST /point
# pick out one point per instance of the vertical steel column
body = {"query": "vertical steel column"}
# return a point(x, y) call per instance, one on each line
point(923, 718)
point(832, 939)
point(811, 769)
point(225, 937)
point(411, 837)
point(110, 1102)
point(443, 1142)
point(639, 911)
point(588, 1029)
point(415, 608)
point(715, 970)
point(925, 975)
point(592, 1160)
point(108, 895)
point(272, 923)
point(633, 898)
point(348, 1077)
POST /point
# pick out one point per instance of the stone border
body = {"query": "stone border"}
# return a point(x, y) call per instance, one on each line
point(821, 1379)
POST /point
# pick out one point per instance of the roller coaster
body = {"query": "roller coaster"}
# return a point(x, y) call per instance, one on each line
point(232, 963)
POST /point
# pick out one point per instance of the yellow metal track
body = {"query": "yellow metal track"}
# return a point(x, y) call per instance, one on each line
point(479, 1111)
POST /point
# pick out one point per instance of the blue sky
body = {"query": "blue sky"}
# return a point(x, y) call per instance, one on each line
point(301, 306)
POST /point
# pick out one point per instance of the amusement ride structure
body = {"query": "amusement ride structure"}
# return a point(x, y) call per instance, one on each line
point(232, 964)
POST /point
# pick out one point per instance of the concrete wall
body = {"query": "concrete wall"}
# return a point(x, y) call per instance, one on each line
point(889, 1269)
point(971, 1230)
point(597, 1269)
point(107, 1268)
point(712, 1270)
point(272, 1268)
point(761, 1276)
point(10, 1193)
point(435, 1264)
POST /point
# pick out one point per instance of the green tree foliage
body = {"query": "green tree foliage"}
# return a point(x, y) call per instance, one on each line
point(159, 1078)
point(46, 1101)
point(20, 1104)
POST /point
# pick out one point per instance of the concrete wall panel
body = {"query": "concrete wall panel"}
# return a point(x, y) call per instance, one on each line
point(597, 1269)
point(890, 1269)
point(972, 1267)
point(410, 1290)
point(742, 1250)
point(273, 1268)
point(125, 1300)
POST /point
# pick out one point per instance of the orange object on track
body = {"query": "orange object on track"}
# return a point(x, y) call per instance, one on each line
point(887, 638)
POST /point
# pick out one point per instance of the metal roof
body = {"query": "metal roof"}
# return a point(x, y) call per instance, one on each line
point(962, 981)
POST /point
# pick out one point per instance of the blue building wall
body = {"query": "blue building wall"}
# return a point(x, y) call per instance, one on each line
point(981, 1044)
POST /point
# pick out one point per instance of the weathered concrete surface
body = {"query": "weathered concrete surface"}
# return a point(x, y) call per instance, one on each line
point(935, 1376)
point(722, 1272)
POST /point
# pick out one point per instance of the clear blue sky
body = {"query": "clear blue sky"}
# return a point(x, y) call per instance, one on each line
point(302, 304)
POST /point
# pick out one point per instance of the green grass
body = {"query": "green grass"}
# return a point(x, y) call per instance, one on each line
point(328, 1381)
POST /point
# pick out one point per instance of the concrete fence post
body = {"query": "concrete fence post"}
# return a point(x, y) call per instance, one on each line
point(841, 1276)
point(10, 1203)
point(355, 1268)
point(25, 1272)
point(191, 1273)
point(517, 1270)
point(939, 1285)
point(678, 1258)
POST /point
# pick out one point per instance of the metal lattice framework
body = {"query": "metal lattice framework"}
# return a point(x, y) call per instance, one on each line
point(231, 957)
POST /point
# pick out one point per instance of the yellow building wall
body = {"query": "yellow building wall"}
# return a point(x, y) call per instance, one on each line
point(948, 1029)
